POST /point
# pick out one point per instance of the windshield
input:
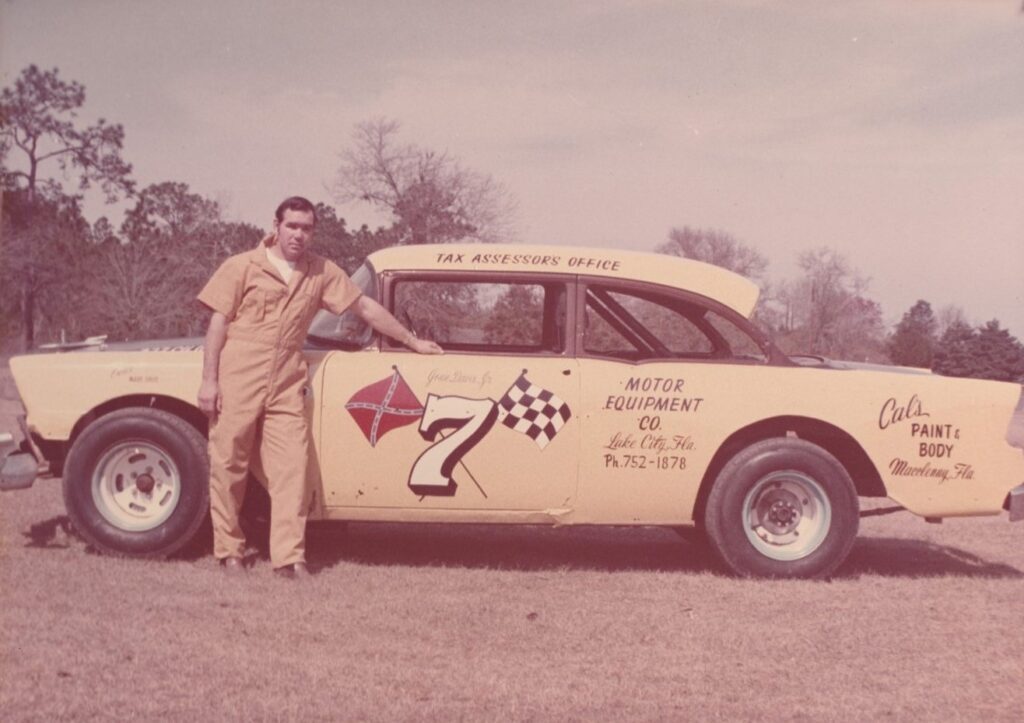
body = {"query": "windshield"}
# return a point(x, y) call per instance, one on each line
point(348, 330)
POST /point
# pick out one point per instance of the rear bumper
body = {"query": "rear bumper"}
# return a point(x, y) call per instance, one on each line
point(1015, 503)
point(19, 465)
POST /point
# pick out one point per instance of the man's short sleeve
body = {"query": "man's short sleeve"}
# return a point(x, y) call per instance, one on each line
point(339, 290)
point(223, 292)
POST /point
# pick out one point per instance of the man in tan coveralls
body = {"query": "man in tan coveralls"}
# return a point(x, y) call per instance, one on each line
point(254, 374)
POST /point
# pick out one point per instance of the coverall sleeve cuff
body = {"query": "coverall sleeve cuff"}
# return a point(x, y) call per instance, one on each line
point(217, 302)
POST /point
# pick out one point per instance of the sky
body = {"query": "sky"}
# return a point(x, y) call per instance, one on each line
point(890, 131)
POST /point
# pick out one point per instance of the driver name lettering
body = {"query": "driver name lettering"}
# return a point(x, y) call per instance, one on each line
point(436, 376)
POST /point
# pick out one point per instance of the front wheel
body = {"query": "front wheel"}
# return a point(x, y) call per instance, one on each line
point(136, 482)
point(782, 508)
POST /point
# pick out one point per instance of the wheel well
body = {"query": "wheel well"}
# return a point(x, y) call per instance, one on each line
point(54, 451)
point(835, 441)
point(173, 405)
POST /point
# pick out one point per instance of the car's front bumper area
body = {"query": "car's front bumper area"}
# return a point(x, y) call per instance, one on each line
point(19, 464)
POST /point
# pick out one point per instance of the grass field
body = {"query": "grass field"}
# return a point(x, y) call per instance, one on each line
point(422, 622)
point(442, 622)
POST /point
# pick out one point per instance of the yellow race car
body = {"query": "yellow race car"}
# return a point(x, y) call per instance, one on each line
point(579, 386)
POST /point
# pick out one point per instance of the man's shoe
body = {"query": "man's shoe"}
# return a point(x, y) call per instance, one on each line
point(298, 571)
point(233, 565)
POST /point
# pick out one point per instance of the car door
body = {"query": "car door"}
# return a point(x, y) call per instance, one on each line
point(489, 426)
point(664, 373)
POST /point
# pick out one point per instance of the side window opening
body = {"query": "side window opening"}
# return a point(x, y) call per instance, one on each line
point(604, 332)
point(635, 315)
point(347, 331)
point(483, 315)
point(636, 326)
point(741, 345)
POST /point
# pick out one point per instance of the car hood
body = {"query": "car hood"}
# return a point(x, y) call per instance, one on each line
point(99, 343)
point(191, 343)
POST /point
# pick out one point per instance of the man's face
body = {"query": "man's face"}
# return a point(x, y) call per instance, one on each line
point(294, 233)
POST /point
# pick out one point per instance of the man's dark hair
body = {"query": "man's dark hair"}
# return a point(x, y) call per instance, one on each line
point(295, 203)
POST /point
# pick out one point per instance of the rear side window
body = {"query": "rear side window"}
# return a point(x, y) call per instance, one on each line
point(642, 325)
point(484, 315)
point(605, 335)
point(741, 344)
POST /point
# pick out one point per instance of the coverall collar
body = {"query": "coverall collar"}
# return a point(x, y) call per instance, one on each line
point(258, 256)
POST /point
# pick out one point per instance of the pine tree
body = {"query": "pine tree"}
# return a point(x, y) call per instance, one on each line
point(1000, 354)
point(953, 357)
point(989, 352)
point(913, 342)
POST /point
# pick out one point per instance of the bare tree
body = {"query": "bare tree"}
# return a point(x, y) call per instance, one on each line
point(171, 241)
point(715, 247)
point(826, 311)
point(430, 196)
point(948, 316)
point(722, 249)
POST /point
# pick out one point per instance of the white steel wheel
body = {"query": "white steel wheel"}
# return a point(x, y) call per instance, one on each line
point(136, 482)
point(136, 485)
point(787, 515)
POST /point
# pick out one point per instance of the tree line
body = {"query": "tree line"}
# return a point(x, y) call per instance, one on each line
point(826, 311)
point(62, 276)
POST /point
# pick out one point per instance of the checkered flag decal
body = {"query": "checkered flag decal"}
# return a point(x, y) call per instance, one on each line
point(533, 411)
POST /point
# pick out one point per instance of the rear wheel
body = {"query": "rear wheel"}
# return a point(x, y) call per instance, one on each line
point(782, 508)
point(136, 482)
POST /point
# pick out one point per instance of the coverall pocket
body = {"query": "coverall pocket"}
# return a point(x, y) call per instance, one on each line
point(253, 306)
point(272, 300)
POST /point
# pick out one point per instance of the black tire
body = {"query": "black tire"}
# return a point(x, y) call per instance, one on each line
point(782, 508)
point(136, 483)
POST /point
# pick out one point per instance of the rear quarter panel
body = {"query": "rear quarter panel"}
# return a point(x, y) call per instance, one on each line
point(938, 443)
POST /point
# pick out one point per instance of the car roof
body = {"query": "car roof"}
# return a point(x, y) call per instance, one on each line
point(728, 288)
